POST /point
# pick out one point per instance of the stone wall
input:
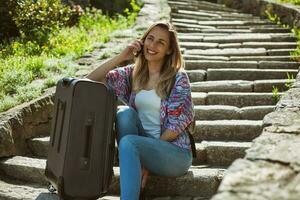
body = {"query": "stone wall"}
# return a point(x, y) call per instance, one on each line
point(33, 119)
point(270, 169)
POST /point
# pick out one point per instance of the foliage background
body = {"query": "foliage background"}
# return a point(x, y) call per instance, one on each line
point(52, 36)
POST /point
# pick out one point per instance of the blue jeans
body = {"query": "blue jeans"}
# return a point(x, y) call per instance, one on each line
point(136, 149)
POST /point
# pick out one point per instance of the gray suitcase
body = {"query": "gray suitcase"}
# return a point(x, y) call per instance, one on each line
point(82, 141)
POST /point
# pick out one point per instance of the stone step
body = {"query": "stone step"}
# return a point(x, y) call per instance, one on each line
point(25, 191)
point(248, 74)
point(201, 152)
point(208, 18)
point(227, 130)
point(255, 58)
point(270, 30)
point(206, 64)
point(240, 99)
point(278, 65)
point(270, 45)
point(219, 153)
point(228, 52)
point(210, 29)
point(241, 85)
point(201, 12)
point(225, 112)
point(196, 57)
point(38, 147)
point(194, 6)
point(197, 13)
point(279, 52)
point(21, 190)
point(24, 168)
point(199, 7)
point(188, 57)
point(220, 23)
point(196, 75)
point(212, 45)
point(235, 38)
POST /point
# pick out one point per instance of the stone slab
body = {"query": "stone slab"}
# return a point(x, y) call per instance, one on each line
point(268, 85)
point(255, 112)
point(223, 86)
point(240, 99)
point(283, 148)
point(227, 130)
point(216, 112)
point(249, 74)
point(224, 153)
point(205, 64)
point(9, 191)
point(265, 58)
point(199, 98)
point(196, 75)
point(278, 65)
point(229, 52)
point(259, 180)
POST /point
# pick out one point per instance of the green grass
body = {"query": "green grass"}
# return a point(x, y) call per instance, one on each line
point(296, 2)
point(23, 62)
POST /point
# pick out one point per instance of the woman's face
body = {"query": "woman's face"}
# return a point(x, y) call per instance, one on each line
point(157, 44)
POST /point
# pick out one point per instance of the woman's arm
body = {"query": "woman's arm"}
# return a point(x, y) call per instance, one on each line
point(127, 54)
point(100, 72)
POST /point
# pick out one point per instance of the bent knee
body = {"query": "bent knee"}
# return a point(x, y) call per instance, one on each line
point(128, 141)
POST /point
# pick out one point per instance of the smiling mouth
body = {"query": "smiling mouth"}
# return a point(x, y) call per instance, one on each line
point(151, 52)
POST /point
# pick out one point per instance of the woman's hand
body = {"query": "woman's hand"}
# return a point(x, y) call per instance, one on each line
point(131, 50)
point(145, 174)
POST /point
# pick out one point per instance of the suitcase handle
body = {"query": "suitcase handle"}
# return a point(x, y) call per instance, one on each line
point(88, 132)
point(66, 81)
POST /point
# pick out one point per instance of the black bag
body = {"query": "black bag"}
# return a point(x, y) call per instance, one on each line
point(82, 140)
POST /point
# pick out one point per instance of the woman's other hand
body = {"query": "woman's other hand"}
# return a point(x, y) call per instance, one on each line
point(145, 174)
point(132, 50)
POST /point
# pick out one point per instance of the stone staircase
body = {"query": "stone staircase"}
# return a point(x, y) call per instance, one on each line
point(233, 60)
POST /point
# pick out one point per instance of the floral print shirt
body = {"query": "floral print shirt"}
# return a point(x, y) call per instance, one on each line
point(176, 111)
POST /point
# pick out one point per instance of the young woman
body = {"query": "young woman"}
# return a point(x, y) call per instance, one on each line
point(152, 127)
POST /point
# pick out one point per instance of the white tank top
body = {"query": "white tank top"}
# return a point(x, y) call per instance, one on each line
point(147, 103)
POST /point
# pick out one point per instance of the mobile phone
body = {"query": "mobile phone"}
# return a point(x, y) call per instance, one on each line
point(140, 51)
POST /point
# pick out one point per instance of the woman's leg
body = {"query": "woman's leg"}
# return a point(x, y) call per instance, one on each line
point(128, 122)
point(159, 157)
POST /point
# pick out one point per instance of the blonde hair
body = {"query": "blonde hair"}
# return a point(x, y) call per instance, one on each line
point(172, 64)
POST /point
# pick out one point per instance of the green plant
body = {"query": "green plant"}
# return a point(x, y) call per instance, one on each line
point(24, 60)
point(276, 19)
point(135, 10)
point(36, 20)
point(296, 2)
point(275, 93)
point(290, 81)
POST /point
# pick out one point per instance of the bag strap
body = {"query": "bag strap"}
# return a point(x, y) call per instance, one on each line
point(192, 141)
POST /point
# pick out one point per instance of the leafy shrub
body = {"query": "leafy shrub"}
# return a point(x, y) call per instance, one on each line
point(36, 20)
point(26, 59)
point(296, 2)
